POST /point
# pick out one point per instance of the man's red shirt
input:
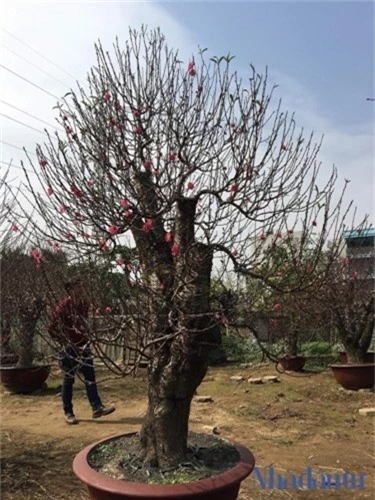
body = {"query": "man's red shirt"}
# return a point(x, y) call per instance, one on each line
point(69, 322)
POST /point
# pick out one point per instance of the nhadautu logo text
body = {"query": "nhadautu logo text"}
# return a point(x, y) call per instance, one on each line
point(271, 480)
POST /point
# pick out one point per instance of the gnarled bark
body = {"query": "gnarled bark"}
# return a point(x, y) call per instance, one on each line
point(181, 363)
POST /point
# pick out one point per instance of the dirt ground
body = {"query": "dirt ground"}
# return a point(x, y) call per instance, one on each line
point(303, 421)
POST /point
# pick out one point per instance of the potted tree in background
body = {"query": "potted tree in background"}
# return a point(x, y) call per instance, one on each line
point(286, 299)
point(23, 305)
point(347, 303)
point(184, 161)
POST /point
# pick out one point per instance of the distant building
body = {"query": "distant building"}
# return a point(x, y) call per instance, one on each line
point(263, 243)
point(360, 249)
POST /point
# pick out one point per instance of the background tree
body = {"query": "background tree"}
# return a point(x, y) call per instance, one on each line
point(24, 290)
point(287, 298)
point(184, 161)
point(347, 304)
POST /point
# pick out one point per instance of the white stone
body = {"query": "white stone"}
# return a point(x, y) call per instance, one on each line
point(271, 378)
point(204, 399)
point(255, 380)
point(367, 411)
point(237, 378)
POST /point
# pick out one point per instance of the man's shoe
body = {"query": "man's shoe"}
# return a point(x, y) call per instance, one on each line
point(103, 410)
point(70, 419)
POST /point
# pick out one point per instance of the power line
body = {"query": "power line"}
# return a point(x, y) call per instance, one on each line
point(16, 147)
point(39, 53)
point(28, 81)
point(11, 165)
point(35, 66)
point(22, 123)
point(28, 114)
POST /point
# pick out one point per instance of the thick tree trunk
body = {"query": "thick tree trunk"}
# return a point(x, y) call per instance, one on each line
point(165, 430)
point(179, 364)
point(292, 344)
point(358, 343)
point(26, 340)
point(356, 355)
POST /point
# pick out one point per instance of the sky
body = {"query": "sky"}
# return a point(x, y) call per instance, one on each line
point(319, 53)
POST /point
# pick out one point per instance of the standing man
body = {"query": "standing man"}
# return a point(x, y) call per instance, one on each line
point(69, 326)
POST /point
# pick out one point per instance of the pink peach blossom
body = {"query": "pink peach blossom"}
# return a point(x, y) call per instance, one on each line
point(113, 230)
point(148, 225)
point(191, 69)
point(175, 250)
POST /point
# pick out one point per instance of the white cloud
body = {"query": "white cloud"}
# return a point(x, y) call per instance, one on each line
point(349, 148)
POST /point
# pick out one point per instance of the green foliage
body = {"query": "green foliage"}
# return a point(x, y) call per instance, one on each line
point(241, 350)
point(316, 348)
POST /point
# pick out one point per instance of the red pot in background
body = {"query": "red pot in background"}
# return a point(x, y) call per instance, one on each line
point(24, 380)
point(224, 486)
point(293, 363)
point(355, 376)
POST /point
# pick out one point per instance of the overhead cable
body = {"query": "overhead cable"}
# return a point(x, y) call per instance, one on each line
point(28, 81)
point(37, 52)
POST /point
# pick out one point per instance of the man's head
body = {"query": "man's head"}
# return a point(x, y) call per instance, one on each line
point(75, 288)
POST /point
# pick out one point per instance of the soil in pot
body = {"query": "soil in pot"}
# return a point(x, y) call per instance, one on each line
point(293, 363)
point(355, 377)
point(213, 470)
point(24, 380)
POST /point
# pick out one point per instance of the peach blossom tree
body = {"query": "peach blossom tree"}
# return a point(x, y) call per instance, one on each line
point(185, 162)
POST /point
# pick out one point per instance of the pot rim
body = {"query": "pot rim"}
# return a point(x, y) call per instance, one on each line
point(350, 365)
point(92, 478)
point(31, 367)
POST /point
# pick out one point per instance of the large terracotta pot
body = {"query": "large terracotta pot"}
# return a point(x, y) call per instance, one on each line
point(24, 380)
point(369, 357)
point(293, 363)
point(355, 376)
point(224, 486)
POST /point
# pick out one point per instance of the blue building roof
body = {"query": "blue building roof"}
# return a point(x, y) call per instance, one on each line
point(364, 233)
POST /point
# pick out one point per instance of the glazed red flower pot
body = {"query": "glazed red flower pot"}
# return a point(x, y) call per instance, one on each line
point(369, 357)
point(24, 380)
point(355, 376)
point(224, 486)
point(293, 363)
